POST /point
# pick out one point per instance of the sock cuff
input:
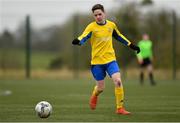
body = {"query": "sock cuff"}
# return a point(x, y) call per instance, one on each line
point(118, 89)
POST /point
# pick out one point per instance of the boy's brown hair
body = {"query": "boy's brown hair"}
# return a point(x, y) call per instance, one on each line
point(97, 6)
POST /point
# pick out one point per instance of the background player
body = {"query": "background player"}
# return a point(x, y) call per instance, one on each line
point(145, 58)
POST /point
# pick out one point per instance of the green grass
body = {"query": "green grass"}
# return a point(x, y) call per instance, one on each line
point(70, 98)
point(42, 60)
point(39, 59)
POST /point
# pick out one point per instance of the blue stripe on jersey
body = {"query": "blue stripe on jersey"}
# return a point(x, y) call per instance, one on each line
point(85, 38)
point(119, 38)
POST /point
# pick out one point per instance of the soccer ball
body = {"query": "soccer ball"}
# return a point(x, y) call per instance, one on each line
point(43, 109)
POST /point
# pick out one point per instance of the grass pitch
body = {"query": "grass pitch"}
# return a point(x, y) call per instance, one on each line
point(70, 99)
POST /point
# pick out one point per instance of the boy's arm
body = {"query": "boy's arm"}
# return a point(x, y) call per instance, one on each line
point(151, 56)
point(118, 36)
point(84, 37)
point(140, 59)
point(139, 55)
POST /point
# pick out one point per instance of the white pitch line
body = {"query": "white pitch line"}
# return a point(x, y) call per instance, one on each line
point(5, 93)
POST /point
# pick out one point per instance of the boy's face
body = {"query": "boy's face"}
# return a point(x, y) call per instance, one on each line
point(99, 15)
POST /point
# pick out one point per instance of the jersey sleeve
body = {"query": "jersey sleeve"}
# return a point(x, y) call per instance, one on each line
point(139, 55)
point(85, 35)
point(118, 36)
point(151, 52)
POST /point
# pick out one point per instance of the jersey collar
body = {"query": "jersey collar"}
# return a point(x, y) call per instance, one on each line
point(102, 24)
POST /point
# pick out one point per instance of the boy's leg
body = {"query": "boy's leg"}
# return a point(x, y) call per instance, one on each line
point(141, 75)
point(142, 69)
point(113, 71)
point(96, 91)
point(99, 74)
point(119, 94)
point(150, 71)
point(98, 88)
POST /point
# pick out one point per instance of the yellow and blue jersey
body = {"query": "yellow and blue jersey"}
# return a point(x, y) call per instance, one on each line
point(101, 41)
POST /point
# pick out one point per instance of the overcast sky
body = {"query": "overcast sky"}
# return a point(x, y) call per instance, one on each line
point(50, 12)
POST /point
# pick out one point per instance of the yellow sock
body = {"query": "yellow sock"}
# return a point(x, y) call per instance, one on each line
point(96, 92)
point(119, 94)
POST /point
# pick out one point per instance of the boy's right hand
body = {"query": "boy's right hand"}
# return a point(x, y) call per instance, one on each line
point(76, 42)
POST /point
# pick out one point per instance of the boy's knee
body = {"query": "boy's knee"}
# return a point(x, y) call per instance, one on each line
point(117, 82)
point(100, 87)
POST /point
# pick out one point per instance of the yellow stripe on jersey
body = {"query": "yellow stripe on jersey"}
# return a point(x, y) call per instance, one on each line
point(101, 41)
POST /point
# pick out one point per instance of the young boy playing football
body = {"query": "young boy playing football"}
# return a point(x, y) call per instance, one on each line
point(103, 60)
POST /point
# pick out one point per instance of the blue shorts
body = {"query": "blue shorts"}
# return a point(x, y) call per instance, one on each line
point(99, 71)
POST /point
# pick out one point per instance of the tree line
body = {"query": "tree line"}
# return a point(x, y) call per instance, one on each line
point(131, 21)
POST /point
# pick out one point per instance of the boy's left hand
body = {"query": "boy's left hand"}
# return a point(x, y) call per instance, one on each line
point(134, 47)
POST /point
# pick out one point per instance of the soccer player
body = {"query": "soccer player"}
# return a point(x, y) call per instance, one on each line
point(100, 33)
point(145, 58)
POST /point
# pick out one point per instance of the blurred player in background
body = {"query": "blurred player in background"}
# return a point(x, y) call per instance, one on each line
point(145, 58)
point(103, 60)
